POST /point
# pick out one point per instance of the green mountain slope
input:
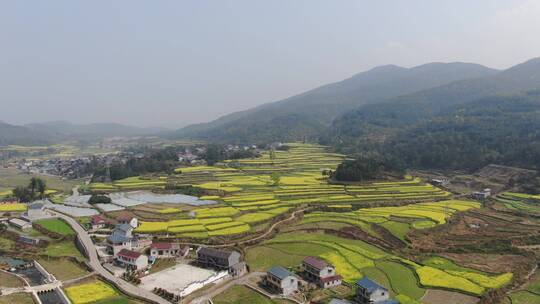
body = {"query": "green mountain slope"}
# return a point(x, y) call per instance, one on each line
point(306, 115)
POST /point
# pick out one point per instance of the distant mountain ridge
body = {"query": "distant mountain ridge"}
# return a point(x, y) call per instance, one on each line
point(53, 132)
point(410, 108)
point(96, 129)
point(308, 114)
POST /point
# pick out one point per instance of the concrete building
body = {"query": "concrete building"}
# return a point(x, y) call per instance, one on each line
point(128, 219)
point(481, 195)
point(26, 240)
point(216, 258)
point(36, 211)
point(120, 238)
point(441, 182)
point(371, 292)
point(320, 272)
point(20, 224)
point(131, 260)
point(339, 301)
point(281, 281)
point(167, 250)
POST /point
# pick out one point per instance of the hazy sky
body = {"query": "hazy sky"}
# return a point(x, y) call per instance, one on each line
point(172, 63)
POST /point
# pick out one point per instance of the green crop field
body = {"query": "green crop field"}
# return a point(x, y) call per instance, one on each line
point(521, 202)
point(250, 198)
point(56, 226)
point(354, 259)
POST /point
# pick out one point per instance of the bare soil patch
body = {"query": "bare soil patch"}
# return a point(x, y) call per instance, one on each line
point(434, 296)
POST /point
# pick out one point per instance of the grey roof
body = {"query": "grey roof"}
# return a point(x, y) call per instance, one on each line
point(222, 254)
point(123, 227)
point(369, 285)
point(36, 206)
point(339, 301)
point(388, 302)
point(280, 272)
point(116, 238)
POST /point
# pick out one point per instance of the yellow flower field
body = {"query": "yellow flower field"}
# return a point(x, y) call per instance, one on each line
point(13, 207)
point(90, 292)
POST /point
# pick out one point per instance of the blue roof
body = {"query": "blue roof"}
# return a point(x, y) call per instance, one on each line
point(280, 272)
point(116, 239)
point(388, 302)
point(123, 227)
point(339, 301)
point(370, 285)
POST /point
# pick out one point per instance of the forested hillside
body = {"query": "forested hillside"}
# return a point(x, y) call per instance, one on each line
point(463, 125)
point(307, 115)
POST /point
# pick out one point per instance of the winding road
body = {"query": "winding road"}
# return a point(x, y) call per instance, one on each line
point(130, 289)
point(94, 262)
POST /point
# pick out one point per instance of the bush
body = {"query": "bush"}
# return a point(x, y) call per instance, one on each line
point(99, 199)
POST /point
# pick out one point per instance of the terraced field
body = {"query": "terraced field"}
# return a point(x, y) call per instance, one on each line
point(250, 196)
point(521, 202)
point(252, 193)
point(397, 220)
point(354, 259)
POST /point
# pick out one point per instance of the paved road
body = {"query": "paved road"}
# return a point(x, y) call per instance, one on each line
point(96, 265)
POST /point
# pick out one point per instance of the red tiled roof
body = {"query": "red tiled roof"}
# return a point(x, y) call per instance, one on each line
point(315, 262)
point(97, 219)
point(332, 278)
point(161, 246)
point(129, 254)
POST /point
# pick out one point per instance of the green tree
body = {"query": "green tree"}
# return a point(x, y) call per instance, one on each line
point(22, 194)
point(33, 185)
point(41, 187)
point(272, 155)
point(276, 178)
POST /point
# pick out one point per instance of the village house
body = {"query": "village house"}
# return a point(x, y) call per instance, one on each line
point(370, 292)
point(481, 195)
point(98, 222)
point(121, 238)
point(139, 242)
point(320, 272)
point(216, 258)
point(281, 281)
point(167, 250)
point(441, 182)
point(131, 260)
point(20, 224)
point(128, 219)
point(26, 240)
point(339, 301)
point(36, 211)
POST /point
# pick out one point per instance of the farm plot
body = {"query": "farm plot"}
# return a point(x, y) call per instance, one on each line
point(521, 202)
point(397, 220)
point(13, 207)
point(252, 196)
point(92, 292)
point(56, 226)
point(354, 259)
